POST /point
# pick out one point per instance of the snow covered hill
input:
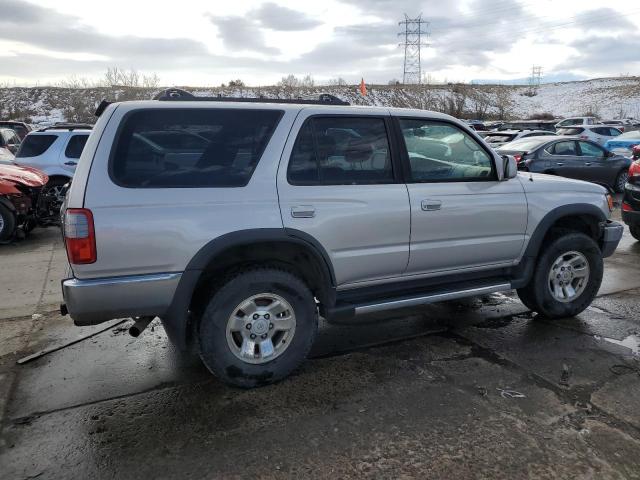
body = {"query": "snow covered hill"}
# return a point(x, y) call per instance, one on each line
point(606, 97)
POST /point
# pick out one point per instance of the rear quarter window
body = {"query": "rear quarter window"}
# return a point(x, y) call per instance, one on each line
point(75, 146)
point(190, 148)
point(34, 145)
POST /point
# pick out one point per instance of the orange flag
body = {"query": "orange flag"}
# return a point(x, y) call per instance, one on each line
point(363, 88)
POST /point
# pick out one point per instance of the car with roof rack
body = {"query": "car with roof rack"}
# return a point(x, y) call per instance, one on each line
point(55, 150)
point(240, 222)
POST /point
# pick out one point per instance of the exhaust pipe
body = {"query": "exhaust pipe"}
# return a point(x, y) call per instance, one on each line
point(141, 324)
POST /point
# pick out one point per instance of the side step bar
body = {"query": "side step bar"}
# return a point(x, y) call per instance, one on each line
point(343, 313)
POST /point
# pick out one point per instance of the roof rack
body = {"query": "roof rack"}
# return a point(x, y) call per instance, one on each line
point(177, 94)
point(67, 126)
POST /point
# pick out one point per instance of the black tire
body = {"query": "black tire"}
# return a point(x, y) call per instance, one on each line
point(214, 349)
point(8, 223)
point(537, 294)
point(621, 179)
point(635, 231)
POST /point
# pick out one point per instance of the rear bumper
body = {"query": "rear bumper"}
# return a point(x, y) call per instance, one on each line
point(94, 301)
point(611, 235)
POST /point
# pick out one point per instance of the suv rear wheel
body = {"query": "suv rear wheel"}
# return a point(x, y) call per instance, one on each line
point(567, 277)
point(635, 231)
point(258, 327)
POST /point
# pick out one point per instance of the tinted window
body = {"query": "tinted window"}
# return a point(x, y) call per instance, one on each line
point(590, 150)
point(563, 148)
point(34, 145)
point(191, 148)
point(75, 146)
point(455, 157)
point(614, 132)
point(341, 151)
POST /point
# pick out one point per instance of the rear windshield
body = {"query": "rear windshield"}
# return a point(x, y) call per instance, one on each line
point(191, 147)
point(524, 144)
point(34, 145)
point(499, 138)
point(570, 131)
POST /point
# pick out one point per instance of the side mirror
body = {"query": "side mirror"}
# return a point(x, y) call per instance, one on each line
point(509, 167)
point(609, 154)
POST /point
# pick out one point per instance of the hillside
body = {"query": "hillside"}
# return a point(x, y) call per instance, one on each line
point(606, 97)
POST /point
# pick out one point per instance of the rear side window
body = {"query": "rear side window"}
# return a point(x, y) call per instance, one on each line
point(75, 146)
point(187, 148)
point(341, 151)
point(34, 145)
point(570, 131)
point(564, 148)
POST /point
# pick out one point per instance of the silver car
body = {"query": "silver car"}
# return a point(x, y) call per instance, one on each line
point(239, 223)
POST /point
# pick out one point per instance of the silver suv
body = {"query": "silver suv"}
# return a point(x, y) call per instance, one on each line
point(238, 223)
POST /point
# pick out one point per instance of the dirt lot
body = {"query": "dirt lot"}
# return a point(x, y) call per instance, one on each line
point(474, 389)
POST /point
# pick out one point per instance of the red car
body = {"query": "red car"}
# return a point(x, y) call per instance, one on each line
point(23, 206)
point(631, 199)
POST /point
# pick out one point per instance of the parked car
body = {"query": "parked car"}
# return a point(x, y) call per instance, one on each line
point(631, 200)
point(577, 121)
point(24, 204)
point(497, 139)
point(596, 133)
point(239, 244)
point(21, 128)
point(56, 151)
point(546, 125)
point(624, 143)
point(619, 124)
point(570, 157)
point(477, 125)
point(9, 144)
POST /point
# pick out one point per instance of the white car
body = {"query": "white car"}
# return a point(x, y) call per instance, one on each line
point(577, 121)
point(596, 133)
point(498, 138)
point(54, 150)
point(9, 143)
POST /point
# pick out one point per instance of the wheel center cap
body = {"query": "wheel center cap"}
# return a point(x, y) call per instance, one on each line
point(566, 276)
point(260, 326)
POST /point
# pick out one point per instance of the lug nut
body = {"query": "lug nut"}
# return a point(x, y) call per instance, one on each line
point(252, 336)
point(271, 326)
point(248, 327)
point(263, 336)
point(256, 316)
point(266, 316)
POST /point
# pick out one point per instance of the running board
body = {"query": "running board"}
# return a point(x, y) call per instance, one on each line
point(342, 313)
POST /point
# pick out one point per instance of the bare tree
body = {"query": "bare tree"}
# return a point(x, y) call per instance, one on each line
point(337, 82)
point(503, 101)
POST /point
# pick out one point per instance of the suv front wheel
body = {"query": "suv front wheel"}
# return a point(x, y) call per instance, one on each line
point(258, 327)
point(567, 277)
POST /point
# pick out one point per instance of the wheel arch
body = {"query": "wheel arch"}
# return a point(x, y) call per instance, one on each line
point(289, 249)
point(581, 217)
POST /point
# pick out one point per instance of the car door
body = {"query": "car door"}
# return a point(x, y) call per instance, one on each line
point(596, 166)
point(561, 158)
point(338, 182)
point(462, 217)
point(72, 150)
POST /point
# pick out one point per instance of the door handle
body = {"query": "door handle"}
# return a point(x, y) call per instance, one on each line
point(70, 163)
point(430, 205)
point(560, 164)
point(588, 164)
point(303, 211)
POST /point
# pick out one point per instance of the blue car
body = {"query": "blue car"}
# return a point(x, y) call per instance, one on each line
point(623, 144)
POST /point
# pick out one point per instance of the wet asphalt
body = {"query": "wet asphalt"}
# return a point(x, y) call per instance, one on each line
point(479, 388)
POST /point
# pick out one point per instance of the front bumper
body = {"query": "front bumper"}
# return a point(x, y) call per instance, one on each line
point(94, 301)
point(611, 235)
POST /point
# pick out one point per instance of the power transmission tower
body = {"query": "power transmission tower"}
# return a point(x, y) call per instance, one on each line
point(413, 35)
point(534, 80)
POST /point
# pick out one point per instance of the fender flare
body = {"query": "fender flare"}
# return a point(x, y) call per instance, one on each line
point(522, 272)
point(175, 318)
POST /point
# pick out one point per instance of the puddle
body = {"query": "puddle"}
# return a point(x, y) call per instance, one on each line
point(632, 342)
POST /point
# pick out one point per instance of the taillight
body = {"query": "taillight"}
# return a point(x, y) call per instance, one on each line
point(626, 207)
point(634, 169)
point(79, 236)
point(518, 158)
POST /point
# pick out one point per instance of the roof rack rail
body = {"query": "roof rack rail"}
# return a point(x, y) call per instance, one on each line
point(177, 94)
point(67, 126)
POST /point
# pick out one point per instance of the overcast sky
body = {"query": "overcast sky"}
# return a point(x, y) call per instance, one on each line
point(194, 42)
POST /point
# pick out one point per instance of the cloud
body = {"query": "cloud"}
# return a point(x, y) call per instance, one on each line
point(275, 17)
point(600, 54)
point(240, 33)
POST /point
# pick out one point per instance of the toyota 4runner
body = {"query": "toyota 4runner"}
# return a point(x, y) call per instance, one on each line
point(238, 223)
